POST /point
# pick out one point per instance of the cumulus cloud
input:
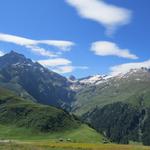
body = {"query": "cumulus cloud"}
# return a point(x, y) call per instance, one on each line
point(60, 65)
point(110, 16)
point(124, 68)
point(2, 53)
point(34, 44)
point(105, 48)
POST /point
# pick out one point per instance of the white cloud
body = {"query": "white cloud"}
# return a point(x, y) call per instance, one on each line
point(124, 68)
point(2, 53)
point(105, 48)
point(41, 51)
point(54, 62)
point(68, 69)
point(34, 44)
point(60, 65)
point(63, 69)
point(106, 14)
point(63, 45)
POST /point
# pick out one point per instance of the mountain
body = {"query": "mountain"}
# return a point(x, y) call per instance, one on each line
point(32, 81)
point(77, 84)
point(132, 87)
point(116, 106)
point(25, 113)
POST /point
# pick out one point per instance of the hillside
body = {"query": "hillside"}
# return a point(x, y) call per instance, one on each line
point(25, 120)
point(118, 121)
point(133, 87)
point(121, 122)
point(116, 106)
point(24, 113)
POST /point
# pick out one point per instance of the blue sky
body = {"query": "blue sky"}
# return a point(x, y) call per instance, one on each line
point(79, 37)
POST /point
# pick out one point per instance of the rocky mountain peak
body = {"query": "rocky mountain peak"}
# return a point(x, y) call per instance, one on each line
point(46, 86)
point(14, 58)
point(72, 78)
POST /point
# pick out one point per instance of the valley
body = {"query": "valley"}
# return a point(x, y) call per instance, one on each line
point(42, 109)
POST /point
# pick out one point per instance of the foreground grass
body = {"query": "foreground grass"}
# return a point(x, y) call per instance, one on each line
point(68, 146)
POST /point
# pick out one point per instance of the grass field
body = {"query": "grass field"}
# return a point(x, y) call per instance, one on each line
point(79, 135)
point(83, 138)
point(68, 146)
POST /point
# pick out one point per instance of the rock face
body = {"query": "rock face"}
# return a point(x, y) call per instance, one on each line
point(45, 86)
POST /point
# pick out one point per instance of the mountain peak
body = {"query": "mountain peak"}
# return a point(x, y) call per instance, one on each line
point(72, 78)
point(15, 54)
point(13, 58)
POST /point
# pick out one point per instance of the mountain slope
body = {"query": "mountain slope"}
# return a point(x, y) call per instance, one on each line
point(34, 80)
point(121, 122)
point(146, 130)
point(23, 113)
point(116, 106)
point(133, 87)
point(118, 121)
point(28, 121)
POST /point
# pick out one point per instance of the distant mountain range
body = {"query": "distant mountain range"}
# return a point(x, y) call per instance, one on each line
point(117, 106)
point(98, 91)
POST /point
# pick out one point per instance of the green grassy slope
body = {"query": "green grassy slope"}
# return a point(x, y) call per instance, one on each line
point(17, 89)
point(116, 90)
point(22, 113)
point(25, 120)
point(81, 134)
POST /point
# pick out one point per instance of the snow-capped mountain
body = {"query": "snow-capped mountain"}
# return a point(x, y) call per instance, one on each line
point(100, 91)
point(76, 84)
point(136, 74)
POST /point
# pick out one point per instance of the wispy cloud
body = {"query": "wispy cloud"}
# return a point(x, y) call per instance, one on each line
point(124, 68)
point(63, 69)
point(2, 53)
point(34, 45)
point(60, 65)
point(105, 48)
point(110, 16)
point(63, 45)
point(55, 62)
point(68, 69)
